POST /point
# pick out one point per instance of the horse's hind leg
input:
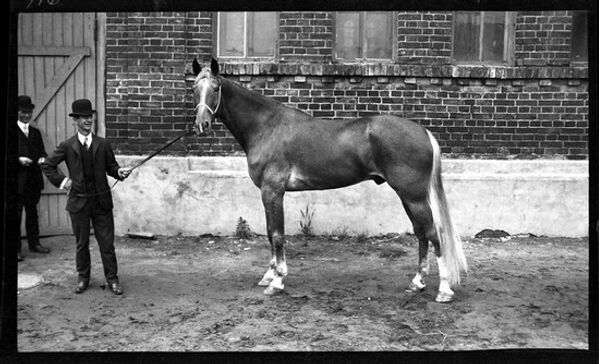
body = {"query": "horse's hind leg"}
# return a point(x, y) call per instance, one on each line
point(418, 283)
point(272, 199)
point(421, 216)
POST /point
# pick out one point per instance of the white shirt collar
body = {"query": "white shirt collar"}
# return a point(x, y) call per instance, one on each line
point(22, 125)
point(82, 137)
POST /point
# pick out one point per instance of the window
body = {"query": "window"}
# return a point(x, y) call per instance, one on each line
point(580, 43)
point(363, 35)
point(246, 34)
point(482, 37)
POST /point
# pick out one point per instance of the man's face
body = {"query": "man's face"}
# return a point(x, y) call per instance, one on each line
point(25, 116)
point(85, 123)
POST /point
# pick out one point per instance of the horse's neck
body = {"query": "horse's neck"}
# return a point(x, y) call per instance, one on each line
point(245, 113)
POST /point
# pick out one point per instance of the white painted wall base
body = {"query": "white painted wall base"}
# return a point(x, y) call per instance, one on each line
point(197, 195)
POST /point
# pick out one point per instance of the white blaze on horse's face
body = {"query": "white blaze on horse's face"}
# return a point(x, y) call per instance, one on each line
point(207, 96)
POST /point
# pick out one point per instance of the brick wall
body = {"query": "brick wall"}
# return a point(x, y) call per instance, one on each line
point(424, 38)
point(146, 60)
point(543, 38)
point(536, 108)
point(471, 118)
point(306, 36)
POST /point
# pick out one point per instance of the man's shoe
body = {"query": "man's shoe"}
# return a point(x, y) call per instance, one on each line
point(115, 288)
point(39, 249)
point(81, 286)
point(19, 257)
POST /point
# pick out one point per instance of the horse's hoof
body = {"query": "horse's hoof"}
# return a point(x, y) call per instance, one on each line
point(267, 278)
point(414, 288)
point(277, 283)
point(444, 297)
point(270, 290)
point(264, 282)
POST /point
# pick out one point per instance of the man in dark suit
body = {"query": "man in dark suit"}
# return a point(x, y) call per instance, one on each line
point(30, 182)
point(89, 158)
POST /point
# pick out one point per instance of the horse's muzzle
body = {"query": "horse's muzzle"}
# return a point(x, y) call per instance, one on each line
point(201, 128)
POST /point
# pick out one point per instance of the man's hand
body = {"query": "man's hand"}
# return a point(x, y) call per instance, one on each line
point(25, 161)
point(68, 184)
point(41, 160)
point(124, 172)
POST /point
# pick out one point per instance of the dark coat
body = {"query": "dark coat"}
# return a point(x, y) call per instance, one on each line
point(70, 151)
point(29, 178)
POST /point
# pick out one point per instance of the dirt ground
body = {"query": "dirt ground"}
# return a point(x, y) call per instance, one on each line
point(342, 293)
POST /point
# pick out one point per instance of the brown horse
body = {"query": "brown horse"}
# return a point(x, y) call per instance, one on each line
point(289, 150)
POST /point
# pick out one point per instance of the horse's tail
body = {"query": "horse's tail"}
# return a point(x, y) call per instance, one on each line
point(451, 245)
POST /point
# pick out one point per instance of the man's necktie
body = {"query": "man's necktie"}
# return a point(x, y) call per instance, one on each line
point(85, 143)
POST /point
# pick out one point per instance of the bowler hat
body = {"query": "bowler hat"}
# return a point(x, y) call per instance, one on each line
point(82, 107)
point(24, 103)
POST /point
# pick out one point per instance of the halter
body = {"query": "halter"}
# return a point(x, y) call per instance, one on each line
point(213, 112)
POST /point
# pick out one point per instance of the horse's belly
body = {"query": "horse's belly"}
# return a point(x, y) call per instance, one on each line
point(300, 181)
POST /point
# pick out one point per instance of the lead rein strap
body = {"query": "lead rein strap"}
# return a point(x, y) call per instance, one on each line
point(187, 132)
point(168, 144)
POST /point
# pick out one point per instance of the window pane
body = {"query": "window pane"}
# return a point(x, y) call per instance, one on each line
point(262, 34)
point(579, 36)
point(466, 36)
point(493, 36)
point(231, 34)
point(347, 30)
point(378, 35)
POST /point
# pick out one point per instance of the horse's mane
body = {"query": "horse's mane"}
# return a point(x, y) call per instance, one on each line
point(254, 95)
point(265, 100)
point(268, 102)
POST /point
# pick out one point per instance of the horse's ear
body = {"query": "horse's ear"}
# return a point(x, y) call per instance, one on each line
point(214, 66)
point(196, 67)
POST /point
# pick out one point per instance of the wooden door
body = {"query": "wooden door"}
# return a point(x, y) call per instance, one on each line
point(59, 60)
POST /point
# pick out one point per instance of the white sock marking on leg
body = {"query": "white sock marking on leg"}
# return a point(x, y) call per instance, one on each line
point(443, 277)
point(277, 283)
point(282, 269)
point(418, 281)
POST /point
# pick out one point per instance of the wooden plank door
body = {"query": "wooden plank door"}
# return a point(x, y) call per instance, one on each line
point(58, 63)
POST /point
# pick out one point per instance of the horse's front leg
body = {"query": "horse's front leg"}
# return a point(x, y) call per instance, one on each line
point(270, 272)
point(272, 198)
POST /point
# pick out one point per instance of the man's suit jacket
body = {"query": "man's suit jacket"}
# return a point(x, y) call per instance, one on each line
point(71, 151)
point(33, 148)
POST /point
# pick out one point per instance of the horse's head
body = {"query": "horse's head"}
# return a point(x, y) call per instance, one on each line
point(206, 95)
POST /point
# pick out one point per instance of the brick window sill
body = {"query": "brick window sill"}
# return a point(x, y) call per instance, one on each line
point(390, 70)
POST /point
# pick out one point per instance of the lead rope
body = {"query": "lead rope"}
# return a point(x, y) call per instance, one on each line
point(168, 144)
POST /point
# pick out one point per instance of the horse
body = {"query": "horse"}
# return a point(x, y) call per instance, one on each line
point(289, 150)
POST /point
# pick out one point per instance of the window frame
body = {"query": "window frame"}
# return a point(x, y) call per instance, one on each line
point(245, 58)
point(573, 60)
point(509, 41)
point(363, 59)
